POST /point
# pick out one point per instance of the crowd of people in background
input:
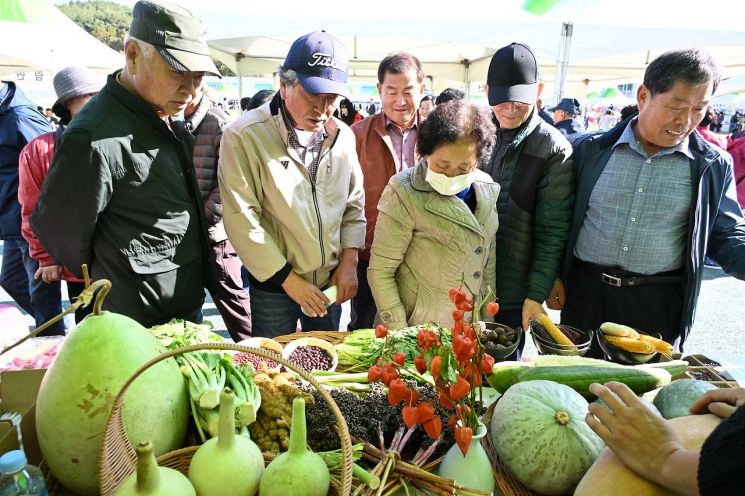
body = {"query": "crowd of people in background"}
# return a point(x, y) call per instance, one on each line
point(386, 135)
point(602, 215)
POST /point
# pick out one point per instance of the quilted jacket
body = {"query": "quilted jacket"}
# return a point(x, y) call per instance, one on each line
point(535, 209)
point(426, 243)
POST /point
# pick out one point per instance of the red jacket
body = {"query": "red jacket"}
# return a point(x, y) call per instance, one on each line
point(736, 148)
point(33, 166)
point(375, 152)
point(712, 137)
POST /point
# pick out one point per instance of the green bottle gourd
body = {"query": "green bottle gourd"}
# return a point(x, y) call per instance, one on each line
point(299, 471)
point(228, 465)
point(151, 480)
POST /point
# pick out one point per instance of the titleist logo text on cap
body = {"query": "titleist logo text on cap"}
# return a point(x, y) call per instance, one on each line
point(327, 60)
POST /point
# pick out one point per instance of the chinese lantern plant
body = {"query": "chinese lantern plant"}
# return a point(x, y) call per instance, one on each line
point(456, 369)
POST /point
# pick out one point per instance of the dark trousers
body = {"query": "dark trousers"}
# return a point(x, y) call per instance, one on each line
point(363, 309)
point(73, 290)
point(651, 308)
point(231, 299)
point(276, 314)
point(41, 300)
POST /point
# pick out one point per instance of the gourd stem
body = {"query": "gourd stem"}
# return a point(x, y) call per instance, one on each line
point(148, 476)
point(105, 286)
point(562, 418)
point(297, 430)
point(226, 428)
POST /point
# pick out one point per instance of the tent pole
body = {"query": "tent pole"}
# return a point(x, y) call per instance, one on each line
point(467, 77)
point(562, 63)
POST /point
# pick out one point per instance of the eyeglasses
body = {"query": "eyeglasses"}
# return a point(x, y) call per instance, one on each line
point(186, 78)
point(517, 105)
point(323, 99)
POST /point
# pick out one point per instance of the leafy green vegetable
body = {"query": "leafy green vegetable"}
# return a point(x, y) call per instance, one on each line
point(178, 333)
point(361, 349)
point(207, 373)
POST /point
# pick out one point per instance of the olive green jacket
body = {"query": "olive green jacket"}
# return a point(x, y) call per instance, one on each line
point(426, 243)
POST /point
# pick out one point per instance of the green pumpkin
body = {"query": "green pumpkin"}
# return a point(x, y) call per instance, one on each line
point(646, 402)
point(539, 432)
point(76, 395)
point(675, 399)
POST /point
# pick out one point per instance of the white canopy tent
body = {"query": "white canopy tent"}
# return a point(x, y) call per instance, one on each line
point(610, 43)
point(36, 36)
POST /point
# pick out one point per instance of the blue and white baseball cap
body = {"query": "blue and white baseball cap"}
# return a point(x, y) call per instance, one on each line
point(321, 63)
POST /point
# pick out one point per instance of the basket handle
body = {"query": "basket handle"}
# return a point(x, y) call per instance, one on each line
point(115, 429)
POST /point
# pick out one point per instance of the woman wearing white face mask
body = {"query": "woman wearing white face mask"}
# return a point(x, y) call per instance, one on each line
point(437, 221)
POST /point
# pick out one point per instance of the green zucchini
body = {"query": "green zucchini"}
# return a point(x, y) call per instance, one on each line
point(675, 367)
point(579, 377)
point(504, 374)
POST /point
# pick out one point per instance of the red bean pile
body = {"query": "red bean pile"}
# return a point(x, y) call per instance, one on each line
point(311, 358)
point(255, 360)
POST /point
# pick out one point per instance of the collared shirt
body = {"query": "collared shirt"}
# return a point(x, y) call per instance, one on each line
point(403, 142)
point(303, 142)
point(637, 217)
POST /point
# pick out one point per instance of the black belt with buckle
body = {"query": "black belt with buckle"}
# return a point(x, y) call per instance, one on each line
point(621, 278)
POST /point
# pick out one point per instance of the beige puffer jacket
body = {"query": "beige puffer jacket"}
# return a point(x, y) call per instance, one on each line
point(425, 243)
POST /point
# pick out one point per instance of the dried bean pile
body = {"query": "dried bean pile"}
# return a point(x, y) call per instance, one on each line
point(255, 360)
point(311, 358)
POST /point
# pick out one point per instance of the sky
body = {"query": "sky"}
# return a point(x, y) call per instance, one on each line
point(678, 14)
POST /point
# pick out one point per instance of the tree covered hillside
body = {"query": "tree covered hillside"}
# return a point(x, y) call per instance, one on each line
point(107, 21)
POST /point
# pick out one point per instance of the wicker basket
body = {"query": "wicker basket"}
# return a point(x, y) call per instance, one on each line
point(506, 482)
point(333, 337)
point(118, 459)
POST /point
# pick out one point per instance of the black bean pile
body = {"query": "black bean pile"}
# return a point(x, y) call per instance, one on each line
point(258, 362)
point(311, 358)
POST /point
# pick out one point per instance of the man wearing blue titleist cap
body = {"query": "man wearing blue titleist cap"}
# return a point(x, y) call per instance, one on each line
point(293, 202)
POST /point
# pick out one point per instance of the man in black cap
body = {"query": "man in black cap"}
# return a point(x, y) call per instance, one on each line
point(121, 194)
point(565, 114)
point(531, 162)
point(292, 195)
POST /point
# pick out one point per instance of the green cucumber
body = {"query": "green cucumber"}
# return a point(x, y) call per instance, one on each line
point(504, 374)
point(675, 367)
point(579, 377)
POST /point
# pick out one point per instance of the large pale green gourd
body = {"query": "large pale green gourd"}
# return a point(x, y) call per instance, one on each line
point(539, 432)
point(77, 393)
point(228, 465)
point(151, 480)
point(298, 471)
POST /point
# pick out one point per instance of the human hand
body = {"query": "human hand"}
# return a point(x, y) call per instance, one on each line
point(345, 275)
point(306, 295)
point(531, 309)
point(720, 402)
point(49, 273)
point(557, 296)
point(641, 439)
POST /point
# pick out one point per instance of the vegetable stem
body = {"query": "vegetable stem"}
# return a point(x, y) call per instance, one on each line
point(226, 433)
